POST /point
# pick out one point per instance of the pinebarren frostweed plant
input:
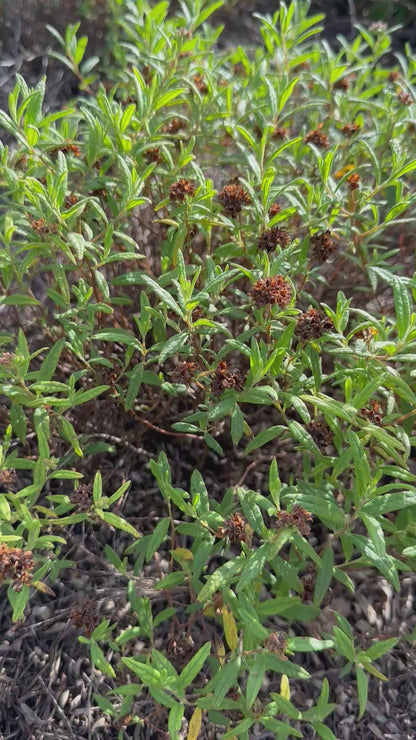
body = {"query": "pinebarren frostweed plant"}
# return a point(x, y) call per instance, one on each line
point(197, 241)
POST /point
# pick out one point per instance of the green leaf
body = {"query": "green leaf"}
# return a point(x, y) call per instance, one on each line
point(362, 690)
point(119, 336)
point(381, 647)
point(255, 678)
point(194, 666)
point(115, 521)
point(308, 644)
point(69, 434)
point(135, 382)
point(324, 575)
point(99, 661)
point(175, 720)
point(263, 437)
point(163, 294)
point(157, 538)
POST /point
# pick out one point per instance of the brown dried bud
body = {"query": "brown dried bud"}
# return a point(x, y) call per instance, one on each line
point(173, 126)
point(350, 128)
point(322, 246)
point(353, 181)
point(393, 75)
point(274, 209)
point(317, 137)
point(184, 372)
point(180, 189)
point(321, 434)
point(405, 98)
point(201, 84)
point(271, 290)
point(298, 518)
point(276, 643)
point(342, 84)
point(374, 414)
point(8, 478)
point(152, 155)
point(85, 615)
point(15, 565)
point(272, 237)
point(66, 149)
point(81, 497)
point(233, 198)
point(235, 528)
point(224, 379)
point(312, 324)
point(279, 132)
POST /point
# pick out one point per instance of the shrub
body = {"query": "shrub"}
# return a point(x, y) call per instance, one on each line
point(207, 245)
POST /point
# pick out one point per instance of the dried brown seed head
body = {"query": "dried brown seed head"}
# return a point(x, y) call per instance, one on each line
point(272, 290)
point(180, 189)
point(298, 518)
point(85, 615)
point(317, 137)
point(273, 237)
point(322, 245)
point(81, 497)
point(312, 324)
point(321, 434)
point(224, 379)
point(353, 181)
point(232, 198)
point(15, 565)
point(184, 372)
point(235, 528)
point(350, 128)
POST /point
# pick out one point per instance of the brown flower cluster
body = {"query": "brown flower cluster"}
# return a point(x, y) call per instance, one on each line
point(85, 616)
point(152, 155)
point(235, 528)
point(393, 75)
point(342, 84)
point(279, 132)
point(184, 372)
point(66, 149)
point(322, 245)
point(15, 565)
point(276, 643)
point(40, 225)
point(374, 414)
point(272, 237)
point(405, 98)
point(201, 84)
point(232, 198)
point(81, 497)
point(298, 518)
point(321, 434)
point(350, 128)
point(317, 137)
point(274, 208)
point(312, 324)
point(353, 181)
point(224, 379)
point(272, 290)
point(180, 189)
point(173, 126)
point(8, 478)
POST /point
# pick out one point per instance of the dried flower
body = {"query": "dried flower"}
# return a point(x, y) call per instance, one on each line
point(66, 149)
point(223, 379)
point(174, 125)
point(8, 479)
point(274, 209)
point(394, 75)
point(322, 245)
point(354, 181)
point(184, 372)
point(350, 128)
point(321, 434)
point(233, 198)
point(152, 155)
point(81, 497)
point(342, 84)
point(85, 616)
point(201, 84)
point(298, 518)
point(317, 137)
point(276, 643)
point(272, 237)
point(271, 290)
point(236, 528)
point(70, 200)
point(405, 98)
point(15, 565)
point(180, 189)
point(374, 414)
point(40, 226)
point(312, 324)
point(279, 132)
